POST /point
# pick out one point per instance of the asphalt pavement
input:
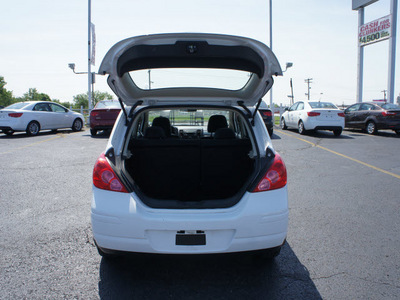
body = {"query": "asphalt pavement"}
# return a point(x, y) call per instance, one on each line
point(342, 243)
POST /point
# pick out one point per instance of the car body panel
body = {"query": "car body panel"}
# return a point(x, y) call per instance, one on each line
point(325, 118)
point(127, 221)
point(258, 221)
point(358, 115)
point(47, 119)
point(211, 51)
point(104, 115)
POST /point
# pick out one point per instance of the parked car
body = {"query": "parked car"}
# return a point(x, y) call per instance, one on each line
point(34, 116)
point(267, 116)
point(216, 187)
point(103, 115)
point(372, 117)
point(312, 115)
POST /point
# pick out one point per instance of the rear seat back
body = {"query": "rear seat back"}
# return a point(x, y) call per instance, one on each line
point(190, 170)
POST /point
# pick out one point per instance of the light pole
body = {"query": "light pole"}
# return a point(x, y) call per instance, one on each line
point(289, 65)
point(91, 79)
point(89, 72)
point(270, 45)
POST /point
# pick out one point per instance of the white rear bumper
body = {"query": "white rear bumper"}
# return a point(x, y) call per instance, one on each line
point(121, 222)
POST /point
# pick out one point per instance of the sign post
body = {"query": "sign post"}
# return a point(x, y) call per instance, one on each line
point(372, 32)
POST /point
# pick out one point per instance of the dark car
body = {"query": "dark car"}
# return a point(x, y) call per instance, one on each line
point(267, 116)
point(372, 117)
point(103, 116)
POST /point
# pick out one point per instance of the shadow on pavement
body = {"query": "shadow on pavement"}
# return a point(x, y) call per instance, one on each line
point(233, 276)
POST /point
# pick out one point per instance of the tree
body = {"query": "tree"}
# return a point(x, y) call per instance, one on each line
point(6, 97)
point(34, 95)
point(82, 99)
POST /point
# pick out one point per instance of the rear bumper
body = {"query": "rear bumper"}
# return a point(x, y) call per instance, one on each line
point(395, 125)
point(120, 222)
point(313, 124)
point(328, 128)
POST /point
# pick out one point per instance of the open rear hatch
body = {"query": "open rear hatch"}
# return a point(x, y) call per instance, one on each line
point(133, 65)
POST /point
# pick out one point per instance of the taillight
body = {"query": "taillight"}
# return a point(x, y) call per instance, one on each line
point(15, 115)
point(341, 115)
point(94, 113)
point(388, 113)
point(105, 178)
point(275, 178)
point(267, 113)
point(313, 114)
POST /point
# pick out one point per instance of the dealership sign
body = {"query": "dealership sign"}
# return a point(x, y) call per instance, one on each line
point(375, 31)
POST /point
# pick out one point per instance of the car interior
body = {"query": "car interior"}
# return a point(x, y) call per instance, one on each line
point(209, 161)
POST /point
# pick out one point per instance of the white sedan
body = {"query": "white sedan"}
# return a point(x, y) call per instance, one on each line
point(319, 115)
point(33, 116)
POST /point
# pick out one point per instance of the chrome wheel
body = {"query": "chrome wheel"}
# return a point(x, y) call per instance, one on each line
point(371, 127)
point(301, 128)
point(33, 128)
point(77, 125)
point(283, 124)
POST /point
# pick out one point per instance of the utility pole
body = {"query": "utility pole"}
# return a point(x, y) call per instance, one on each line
point(291, 89)
point(308, 81)
point(384, 94)
point(149, 71)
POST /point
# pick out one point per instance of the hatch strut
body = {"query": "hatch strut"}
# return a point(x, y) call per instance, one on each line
point(249, 114)
point(121, 103)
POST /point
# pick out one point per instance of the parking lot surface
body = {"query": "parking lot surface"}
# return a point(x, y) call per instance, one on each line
point(343, 236)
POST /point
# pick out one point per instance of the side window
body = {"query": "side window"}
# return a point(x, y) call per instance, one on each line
point(300, 106)
point(42, 107)
point(366, 107)
point(293, 107)
point(57, 108)
point(353, 108)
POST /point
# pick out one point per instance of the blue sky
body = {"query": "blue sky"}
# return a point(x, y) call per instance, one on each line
point(39, 39)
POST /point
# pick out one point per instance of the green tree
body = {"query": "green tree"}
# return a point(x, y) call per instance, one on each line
point(6, 97)
point(34, 95)
point(82, 99)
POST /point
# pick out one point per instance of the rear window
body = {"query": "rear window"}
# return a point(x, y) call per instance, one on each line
point(390, 106)
point(322, 105)
point(18, 105)
point(108, 104)
point(190, 77)
point(192, 122)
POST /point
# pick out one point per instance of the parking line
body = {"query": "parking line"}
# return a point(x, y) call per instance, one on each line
point(344, 156)
point(59, 135)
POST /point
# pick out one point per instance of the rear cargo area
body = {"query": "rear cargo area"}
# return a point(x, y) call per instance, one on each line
point(190, 169)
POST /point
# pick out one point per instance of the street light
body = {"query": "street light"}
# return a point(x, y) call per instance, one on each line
point(72, 67)
point(288, 65)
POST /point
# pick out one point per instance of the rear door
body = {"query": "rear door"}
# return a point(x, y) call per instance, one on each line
point(350, 114)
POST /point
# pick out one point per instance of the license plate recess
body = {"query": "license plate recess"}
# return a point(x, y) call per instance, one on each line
point(190, 238)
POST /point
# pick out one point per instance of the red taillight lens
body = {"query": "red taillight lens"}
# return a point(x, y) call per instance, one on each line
point(15, 115)
point(275, 178)
point(267, 113)
point(94, 113)
point(341, 115)
point(388, 113)
point(313, 114)
point(105, 178)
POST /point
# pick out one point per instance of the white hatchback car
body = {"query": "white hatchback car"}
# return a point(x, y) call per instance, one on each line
point(313, 115)
point(33, 116)
point(189, 167)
